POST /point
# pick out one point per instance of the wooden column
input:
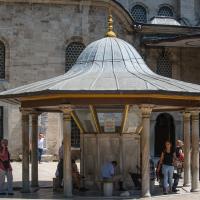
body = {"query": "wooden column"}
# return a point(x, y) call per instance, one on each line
point(187, 170)
point(195, 151)
point(145, 150)
point(25, 151)
point(67, 171)
point(34, 150)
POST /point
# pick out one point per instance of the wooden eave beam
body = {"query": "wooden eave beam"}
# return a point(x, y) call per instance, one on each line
point(77, 121)
point(111, 99)
point(95, 118)
point(125, 117)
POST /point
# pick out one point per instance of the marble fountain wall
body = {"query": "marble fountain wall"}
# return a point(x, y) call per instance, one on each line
point(98, 149)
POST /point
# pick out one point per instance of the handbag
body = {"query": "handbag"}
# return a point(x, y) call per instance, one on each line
point(178, 163)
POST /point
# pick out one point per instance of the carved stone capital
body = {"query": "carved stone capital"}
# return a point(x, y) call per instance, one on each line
point(195, 114)
point(25, 111)
point(186, 116)
point(67, 116)
point(146, 110)
point(194, 109)
point(29, 111)
point(35, 113)
point(66, 108)
point(34, 117)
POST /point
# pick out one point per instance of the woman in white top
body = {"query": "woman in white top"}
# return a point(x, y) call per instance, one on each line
point(40, 146)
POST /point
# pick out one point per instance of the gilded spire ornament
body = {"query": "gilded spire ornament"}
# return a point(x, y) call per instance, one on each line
point(110, 32)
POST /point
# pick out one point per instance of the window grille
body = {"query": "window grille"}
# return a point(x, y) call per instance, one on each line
point(164, 67)
point(139, 14)
point(72, 53)
point(165, 11)
point(1, 122)
point(75, 136)
point(2, 61)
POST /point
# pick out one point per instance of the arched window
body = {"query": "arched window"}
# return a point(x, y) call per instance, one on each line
point(2, 60)
point(164, 67)
point(139, 14)
point(165, 11)
point(72, 53)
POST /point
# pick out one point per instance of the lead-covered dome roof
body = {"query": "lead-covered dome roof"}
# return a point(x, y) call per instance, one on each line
point(110, 65)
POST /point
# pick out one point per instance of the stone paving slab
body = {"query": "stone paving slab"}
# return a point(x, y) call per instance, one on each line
point(49, 194)
point(47, 172)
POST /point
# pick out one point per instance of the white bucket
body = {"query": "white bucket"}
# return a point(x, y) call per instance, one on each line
point(107, 189)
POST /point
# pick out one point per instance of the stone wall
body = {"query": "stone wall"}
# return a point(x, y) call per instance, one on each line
point(190, 65)
point(186, 10)
point(54, 133)
point(189, 11)
point(35, 36)
point(185, 62)
point(151, 56)
point(152, 6)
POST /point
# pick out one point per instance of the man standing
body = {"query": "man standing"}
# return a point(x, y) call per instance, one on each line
point(108, 173)
point(5, 168)
point(40, 146)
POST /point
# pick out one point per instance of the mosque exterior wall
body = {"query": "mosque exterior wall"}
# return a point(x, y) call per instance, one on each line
point(36, 35)
point(187, 10)
point(190, 63)
point(152, 6)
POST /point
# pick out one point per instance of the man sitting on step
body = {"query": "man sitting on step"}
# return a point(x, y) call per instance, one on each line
point(108, 174)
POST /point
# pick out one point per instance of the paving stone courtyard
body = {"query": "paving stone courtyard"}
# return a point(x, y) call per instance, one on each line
point(47, 172)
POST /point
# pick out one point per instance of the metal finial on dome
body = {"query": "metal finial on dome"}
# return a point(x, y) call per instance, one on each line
point(110, 32)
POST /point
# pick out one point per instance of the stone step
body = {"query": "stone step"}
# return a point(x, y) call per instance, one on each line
point(48, 157)
point(45, 157)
